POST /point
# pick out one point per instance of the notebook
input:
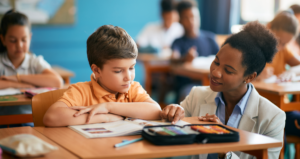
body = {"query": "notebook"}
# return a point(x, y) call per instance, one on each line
point(129, 126)
point(9, 91)
point(34, 91)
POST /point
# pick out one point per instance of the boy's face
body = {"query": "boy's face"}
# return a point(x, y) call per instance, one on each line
point(169, 18)
point(190, 20)
point(116, 75)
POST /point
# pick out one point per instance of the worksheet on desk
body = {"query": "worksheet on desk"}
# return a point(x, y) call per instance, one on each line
point(9, 91)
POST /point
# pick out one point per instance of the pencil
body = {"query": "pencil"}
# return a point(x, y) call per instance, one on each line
point(127, 142)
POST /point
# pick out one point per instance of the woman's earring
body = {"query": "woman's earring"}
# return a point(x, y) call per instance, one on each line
point(245, 82)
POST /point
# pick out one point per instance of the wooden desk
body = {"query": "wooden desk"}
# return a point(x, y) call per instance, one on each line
point(22, 100)
point(190, 71)
point(60, 153)
point(64, 73)
point(16, 119)
point(103, 147)
point(153, 64)
point(276, 92)
point(19, 118)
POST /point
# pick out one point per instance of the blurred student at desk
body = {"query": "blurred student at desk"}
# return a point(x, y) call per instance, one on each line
point(157, 37)
point(294, 45)
point(194, 43)
point(285, 27)
point(18, 67)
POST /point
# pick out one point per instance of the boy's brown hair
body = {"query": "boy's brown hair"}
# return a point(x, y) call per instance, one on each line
point(110, 42)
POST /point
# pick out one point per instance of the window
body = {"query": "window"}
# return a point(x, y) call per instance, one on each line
point(285, 4)
point(261, 10)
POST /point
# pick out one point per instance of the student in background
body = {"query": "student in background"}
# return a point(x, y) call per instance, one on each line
point(294, 45)
point(111, 93)
point(231, 99)
point(157, 37)
point(18, 67)
point(285, 27)
point(293, 117)
point(194, 42)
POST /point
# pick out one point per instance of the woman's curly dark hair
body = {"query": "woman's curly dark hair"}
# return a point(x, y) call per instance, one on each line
point(257, 44)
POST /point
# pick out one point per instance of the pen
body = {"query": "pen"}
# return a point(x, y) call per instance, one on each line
point(126, 142)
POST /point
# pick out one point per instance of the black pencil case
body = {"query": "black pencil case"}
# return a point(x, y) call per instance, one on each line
point(188, 134)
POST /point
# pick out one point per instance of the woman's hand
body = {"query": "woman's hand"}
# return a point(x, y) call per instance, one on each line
point(92, 110)
point(173, 113)
point(210, 118)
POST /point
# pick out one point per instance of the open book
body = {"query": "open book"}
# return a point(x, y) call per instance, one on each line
point(129, 126)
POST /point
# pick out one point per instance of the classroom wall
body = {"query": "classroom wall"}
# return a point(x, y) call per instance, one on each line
point(66, 45)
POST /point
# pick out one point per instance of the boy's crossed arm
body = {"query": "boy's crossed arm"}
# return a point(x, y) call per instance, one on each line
point(59, 114)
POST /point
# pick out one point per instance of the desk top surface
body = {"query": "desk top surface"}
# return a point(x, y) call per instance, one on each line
point(21, 100)
point(149, 57)
point(62, 71)
point(60, 153)
point(278, 88)
point(104, 147)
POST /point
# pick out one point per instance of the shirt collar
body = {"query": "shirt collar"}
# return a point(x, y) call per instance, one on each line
point(241, 104)
point(25, 64)
point(219, 99)
point(101, 92)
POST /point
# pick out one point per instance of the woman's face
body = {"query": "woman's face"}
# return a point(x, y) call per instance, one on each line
point(226, 71)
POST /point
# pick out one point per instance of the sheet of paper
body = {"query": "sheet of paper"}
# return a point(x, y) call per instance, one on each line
point(203, 62)
point(274, 79)
point(9, 91)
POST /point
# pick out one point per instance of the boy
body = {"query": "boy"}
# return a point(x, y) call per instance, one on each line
point(195, 42)
point(111, 93)
point(158, 37)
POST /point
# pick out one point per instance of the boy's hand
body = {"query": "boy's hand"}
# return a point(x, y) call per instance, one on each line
point(212, 118)
point(191, 54)
point(92, 110)
point(173, 113)
point(113, 117)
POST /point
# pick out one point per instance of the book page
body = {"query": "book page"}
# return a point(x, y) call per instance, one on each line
point(118, 128)
point(9, 91)
point(129, 126)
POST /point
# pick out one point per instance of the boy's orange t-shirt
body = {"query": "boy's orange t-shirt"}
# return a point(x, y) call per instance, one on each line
point(280, 60)
point(90, 93)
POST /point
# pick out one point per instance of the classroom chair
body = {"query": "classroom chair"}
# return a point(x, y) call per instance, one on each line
point(295, 140)
point(41, 103)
